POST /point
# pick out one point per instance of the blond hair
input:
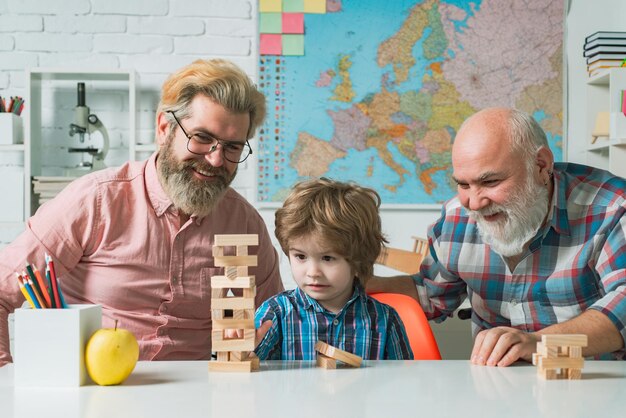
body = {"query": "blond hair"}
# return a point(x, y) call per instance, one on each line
point(343, 216)
point(219, 80)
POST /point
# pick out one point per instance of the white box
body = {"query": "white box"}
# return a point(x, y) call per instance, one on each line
point(50, 345)
point(10, 129)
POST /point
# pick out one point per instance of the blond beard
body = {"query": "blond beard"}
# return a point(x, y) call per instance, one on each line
point(188, 194)
point(524, 215)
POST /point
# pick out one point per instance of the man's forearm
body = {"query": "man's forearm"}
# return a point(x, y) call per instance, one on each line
point(603, 336)
point(397, 284)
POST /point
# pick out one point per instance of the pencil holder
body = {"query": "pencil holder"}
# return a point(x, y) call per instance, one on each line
point(10, 129)
point(50, 345)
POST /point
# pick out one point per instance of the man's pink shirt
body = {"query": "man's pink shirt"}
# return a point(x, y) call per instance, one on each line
point(117, 241)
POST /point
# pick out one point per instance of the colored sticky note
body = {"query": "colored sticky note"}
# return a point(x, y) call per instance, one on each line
point(293, 23)
point(270, 44)
point(293, 44)
point(294, 6)
point(270, 5)
point(270, 23)
point(314, 6)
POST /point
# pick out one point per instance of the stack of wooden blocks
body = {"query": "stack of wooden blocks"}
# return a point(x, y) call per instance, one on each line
point(233, 353)
point(560, 356)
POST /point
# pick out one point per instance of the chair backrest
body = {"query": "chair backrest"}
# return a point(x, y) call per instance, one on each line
point(402, 260)
point(421, 338)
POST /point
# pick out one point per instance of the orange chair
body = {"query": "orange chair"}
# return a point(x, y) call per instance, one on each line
point(418, 330)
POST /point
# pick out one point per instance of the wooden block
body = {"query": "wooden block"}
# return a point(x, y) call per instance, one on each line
point(239, 355)
point(250, 292)
point(545, 351)
point(548, 374)
point(231, 272)
point(242, 250)
point(232, 303)
point(235, 260)
point(234, 344)
point(574, 374)
point(236, 239)
point(223, 282)
point(535, 356)
point(242, 271)
point(217, 250)
point(561, 363)
point(575, 352)
point(256, 362)
point(217, 314)
point(341, 355)
point(564, 339)
point(325, 362)
point(233, 323)
point(223, 356)
point(230, 366)
point(218, 293)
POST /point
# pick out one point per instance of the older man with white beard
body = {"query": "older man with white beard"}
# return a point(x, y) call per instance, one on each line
point(538, 247)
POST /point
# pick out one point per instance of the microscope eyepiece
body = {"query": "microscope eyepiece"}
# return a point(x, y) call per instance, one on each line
point(81, 94)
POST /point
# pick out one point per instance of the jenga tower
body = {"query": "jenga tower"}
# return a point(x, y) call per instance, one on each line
point(232, 353)
point(560, 356)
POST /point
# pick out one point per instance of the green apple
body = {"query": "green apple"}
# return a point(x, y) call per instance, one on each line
point(111, 355)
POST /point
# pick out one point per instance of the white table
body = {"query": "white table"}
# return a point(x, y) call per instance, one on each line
point(298, 389)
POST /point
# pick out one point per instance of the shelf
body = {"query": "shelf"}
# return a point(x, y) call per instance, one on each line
point(604, 92)
point(40, 79)
point(12, 147)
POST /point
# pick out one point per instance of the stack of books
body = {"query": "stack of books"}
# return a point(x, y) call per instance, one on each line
point(48, 187)
point(604, 50)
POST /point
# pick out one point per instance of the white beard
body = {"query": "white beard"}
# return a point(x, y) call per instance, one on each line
point(523, 217)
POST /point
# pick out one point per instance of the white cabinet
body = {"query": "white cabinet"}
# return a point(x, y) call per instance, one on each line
point(49, 89)
point(604, 92)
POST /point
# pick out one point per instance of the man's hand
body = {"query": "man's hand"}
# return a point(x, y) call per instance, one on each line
point(502, 346)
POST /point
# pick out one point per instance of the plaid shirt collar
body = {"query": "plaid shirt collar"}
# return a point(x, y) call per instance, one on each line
point(306, 302)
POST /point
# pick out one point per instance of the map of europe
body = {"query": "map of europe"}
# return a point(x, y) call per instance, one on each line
point(383, 87)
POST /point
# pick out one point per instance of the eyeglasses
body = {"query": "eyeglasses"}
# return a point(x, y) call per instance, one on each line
point(203, 144)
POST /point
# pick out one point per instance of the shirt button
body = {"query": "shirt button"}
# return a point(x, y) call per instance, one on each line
point(160, 332)
point(164, 308)
point(336, 322)
point(174, 280)
point(513, 302)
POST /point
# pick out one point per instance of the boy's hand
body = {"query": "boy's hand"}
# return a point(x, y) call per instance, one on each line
point(258, 337)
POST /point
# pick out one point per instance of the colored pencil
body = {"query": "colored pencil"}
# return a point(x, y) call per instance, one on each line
point(40, 299)
point(53, 279)
point(30, 292)
point(42, 286)
point(24, 291)
point(52, 302)
point(34, 283)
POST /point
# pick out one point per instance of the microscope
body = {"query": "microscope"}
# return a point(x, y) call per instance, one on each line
point(84, 123)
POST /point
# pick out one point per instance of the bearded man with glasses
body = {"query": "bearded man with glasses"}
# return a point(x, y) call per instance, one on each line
point(138, 239)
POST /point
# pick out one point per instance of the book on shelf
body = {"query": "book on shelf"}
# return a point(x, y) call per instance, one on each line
point(601, 42)
point(607, 56)
point(602, 49)
point(605, 35)
point(604, 64)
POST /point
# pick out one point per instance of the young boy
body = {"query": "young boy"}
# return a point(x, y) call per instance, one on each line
point(331, 232)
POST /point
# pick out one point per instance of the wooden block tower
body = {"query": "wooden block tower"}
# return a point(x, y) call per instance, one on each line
point(560, 356)
point(232, 353)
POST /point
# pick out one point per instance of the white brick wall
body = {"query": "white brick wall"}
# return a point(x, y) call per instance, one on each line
point(153, 37)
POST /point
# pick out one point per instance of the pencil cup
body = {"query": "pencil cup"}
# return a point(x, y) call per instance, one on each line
point(50, 345)
point(10, 129)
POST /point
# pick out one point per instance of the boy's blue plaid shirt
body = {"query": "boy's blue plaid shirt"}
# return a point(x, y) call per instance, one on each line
point(364, 327)
point(577, 261)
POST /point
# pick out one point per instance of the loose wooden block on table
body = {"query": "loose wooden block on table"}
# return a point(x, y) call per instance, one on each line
point(337, 354)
